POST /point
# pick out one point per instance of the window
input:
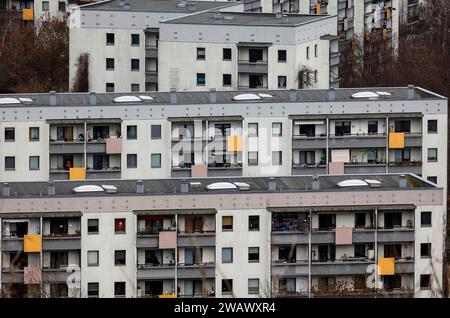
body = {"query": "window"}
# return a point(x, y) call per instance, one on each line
point(425, 219)
point(316, 77)
point(253, 286)
point(156, 131)
point(281, 81)
point(135, 87)
point(277, 158)
point(156, 160)
point(135, 40)
point(131, 132)
point(287, 285)
point(110, 87)
point(109, 64)
point(253, 254)
point(252, 158)
point(372, 127)
point(432, 126)
point(227, 286)
point(10, 134)
point(281, 55)
point(253, 223)
point(342, 128)
point(119, 258)
point(61, 6)
point(432, 179)
point(92, 226)
point(360, 250)
point(253, 130)
point(432, 155)
point(316, 50)
point(425, 281)
point(402, 155)
point(307, 157)
point(277, 129)
point(201, 79)
point(425, 250)
point(10, 163)
point(200, 53)
point(226, 79)
point(227, 255)
point(360, 220)
point(109, 38)
point(33, 133)
point(227, 54)
point(403, 126)
point(92, 290)
point(92, 258)
point(119, 289)
point(135, 64)
point(227, 223)
point(119, 226)
point(45, 5)
point(307, 53)
point(255, 55)
point(34, 162)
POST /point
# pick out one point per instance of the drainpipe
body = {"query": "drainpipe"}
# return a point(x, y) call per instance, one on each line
point(176, 255)
point(376, 248)
point(327, 145)
point(387, 144)
point(310, 253)
point(85, 145)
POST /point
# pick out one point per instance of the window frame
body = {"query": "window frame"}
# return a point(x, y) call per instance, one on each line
point(116, 253)
point(95, 252)
point(133, 65)
point(13, 158)
point(250, 161)
point(254, 228)
point(133, 37)
point(426, 215)
point(7, 131)
point(38, 163)
point(232, 223)
point(280, 134)
point(87, 227)
point(198, 79)
point(258, 253)
point(282, 60)
point(230, 261)
point(30, 133)
point(432, 158)
point(158, 130)
point(151, 160)
point(280, 158)
point(226, 49)
point(118, 228)
point(429, 121)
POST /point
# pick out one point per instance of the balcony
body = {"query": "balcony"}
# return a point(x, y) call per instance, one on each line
point(55, 275)
point(151, 76)
point(413, 140)
point(404, 266)
point(305, 142)
point(109, 173)
point(197, 271)
point(61, 243)
point(364, 167)
point(147, 240)
point(289, 237)
point(76, 147)
point(12, 275)
point(401, 234)
point(151, 52)
point(285, 269)
point(303, 169)
point(196, 239)
point(358, 141)
point(225, 170)
point(338, 267)
point(11, 244)
point(259, 67)
point(145, 272)
point(405, 167)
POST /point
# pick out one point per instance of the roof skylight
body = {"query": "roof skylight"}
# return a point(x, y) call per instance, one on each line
point(127, 99)
point(353, 183)
point(221, 186)
point(246, 97)
point(87, 188)
point(9, 100)
point(369, 95)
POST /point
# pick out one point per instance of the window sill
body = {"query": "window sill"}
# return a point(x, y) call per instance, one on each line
point(225, 230)
point(31, 140)
point(92, 233)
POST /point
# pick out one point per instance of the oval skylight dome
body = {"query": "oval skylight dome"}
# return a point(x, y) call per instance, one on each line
point(384, 93)
point(353, 183)
point(127, 99)
point(246, 97)
point(25, 99)
point(144, 97)
point(221, 186)
point(265, 95)
point(9, 100)
point(87, 188)
point(365, 95)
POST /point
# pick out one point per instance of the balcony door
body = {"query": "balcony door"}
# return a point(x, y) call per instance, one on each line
point(100, 162)
point(255, 55)
point(64, 133)
point(255, 80)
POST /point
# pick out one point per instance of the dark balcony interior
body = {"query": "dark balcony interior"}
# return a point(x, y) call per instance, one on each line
point(153, 224)
point(16, 229)
point(290, 222)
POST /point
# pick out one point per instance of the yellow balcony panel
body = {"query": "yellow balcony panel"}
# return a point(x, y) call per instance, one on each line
point(234, 143)
point(77, 174)
point(32, 243)
point(396, 140)
point(168, 296)
point(386, 266)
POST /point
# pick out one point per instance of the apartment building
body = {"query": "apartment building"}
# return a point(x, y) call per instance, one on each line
point(297, 236)
point(230, 51)
point(223, 133)
point(122, 39)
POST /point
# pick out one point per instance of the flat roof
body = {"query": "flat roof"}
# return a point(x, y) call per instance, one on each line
point(222, 97)
point(156, 6)
point(247, 18)
point(257, 185)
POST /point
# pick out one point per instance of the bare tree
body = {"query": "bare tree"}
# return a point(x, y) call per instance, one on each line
point(81, 83)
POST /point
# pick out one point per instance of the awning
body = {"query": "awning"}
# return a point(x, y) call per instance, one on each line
point(343, 209)
point(84, 120)
point(254, 44)
point(176, 211)
point(210, 118)
point(309, 122)
point(57, 214)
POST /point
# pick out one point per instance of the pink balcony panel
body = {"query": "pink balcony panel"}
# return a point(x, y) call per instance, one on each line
point(113, 146)
point(167, 239)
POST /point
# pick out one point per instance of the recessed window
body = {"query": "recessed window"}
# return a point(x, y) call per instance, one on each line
point(156, 160)
point(62, 6)
point(156, 131)
point(201, 53)
point(45, 5)
point(307, 52)
point(277, 129)
point(402, 126)
point(110, 87)
point(119, 226)
point(227, 54)
point(131, 132)
point(316, 50)
point(92, 290)
point(372, 127)
point(10, 163)
point(425, 250)
point(425, 219)
point(282, 81)
point(226, 79)
point(425, 281)
point(110, 38)
point(135, 87)
point(432, 126)
point(120, 258)
point(252, 158)
point(253, 223)
point(227, 255)
point(131, 160)
point(342, 128)
point(33, 133)
point(34, 163)
point(135, 64)
point(109, 64)
point(316, 76)
point(119, 289)
point(92, 226)
point(281, 55)
point(201, 79)
point(277, 159)
point(227, 286)
point(253, 286)
point(92, 258)
point(432, 154)
point(253, 130)
point(253, 254)
point(432, 179)
point(10, 134)
point(227, 223)
point(135, 40)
